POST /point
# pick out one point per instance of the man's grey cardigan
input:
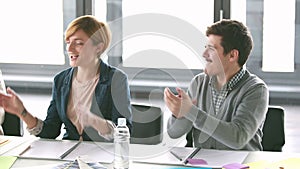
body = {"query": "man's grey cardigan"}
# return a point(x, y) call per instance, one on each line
point(237, 125)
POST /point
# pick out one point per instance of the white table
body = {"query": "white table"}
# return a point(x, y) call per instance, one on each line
point(138, 153)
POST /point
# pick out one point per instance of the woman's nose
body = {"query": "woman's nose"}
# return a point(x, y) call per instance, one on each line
point(70, 47)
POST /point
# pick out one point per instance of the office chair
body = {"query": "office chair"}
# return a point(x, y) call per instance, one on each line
point(12, 125)
point(273, 130)
point(147, 122)
point(189, 138)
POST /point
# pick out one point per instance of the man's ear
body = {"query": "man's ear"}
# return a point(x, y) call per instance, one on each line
point(234, 55)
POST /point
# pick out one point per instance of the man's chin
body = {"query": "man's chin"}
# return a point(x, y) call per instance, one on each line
point(205, 71)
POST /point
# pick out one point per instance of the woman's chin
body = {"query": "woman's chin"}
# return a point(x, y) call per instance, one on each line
point(72, 64)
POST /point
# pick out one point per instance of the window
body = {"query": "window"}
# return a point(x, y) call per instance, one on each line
point(151, 48)
point(32, 35)
point(32, 45)
point(278, 38)
point(100, 14)
point(165, 34)
point(146, 46)
point(275, 57)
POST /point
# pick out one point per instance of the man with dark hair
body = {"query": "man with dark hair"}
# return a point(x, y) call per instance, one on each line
point(226, 105)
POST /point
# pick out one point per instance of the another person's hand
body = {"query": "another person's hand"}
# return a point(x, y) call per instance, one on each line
point(11, 102)
point(179, 104)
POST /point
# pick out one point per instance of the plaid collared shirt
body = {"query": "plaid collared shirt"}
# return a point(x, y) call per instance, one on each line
point(220, 96)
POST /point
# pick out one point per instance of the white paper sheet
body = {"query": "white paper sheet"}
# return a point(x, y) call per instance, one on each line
point(93, 152)
point(48, 149)
point(214, 158)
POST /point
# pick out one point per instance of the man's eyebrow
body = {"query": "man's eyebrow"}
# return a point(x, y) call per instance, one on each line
point(210, 45)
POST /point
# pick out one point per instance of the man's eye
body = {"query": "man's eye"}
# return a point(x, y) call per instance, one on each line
point(209, 47)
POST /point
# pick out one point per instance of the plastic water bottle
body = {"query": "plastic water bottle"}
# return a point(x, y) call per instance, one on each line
point(121, 143)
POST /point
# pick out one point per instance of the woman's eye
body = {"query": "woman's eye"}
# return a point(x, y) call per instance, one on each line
point(79, 43)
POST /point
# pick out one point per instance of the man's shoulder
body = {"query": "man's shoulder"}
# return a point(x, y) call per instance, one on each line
point(200, 77)
point(252, 81)
point(200, 80)
point(253, 78)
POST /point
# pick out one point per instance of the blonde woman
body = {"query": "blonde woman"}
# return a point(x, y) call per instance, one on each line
point(88, 97)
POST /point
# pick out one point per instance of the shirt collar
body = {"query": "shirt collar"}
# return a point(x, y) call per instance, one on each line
point(231, 83)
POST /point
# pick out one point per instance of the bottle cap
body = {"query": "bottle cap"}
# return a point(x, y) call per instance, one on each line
point(121, 121)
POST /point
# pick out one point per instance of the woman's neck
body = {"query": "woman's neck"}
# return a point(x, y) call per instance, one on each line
point(87, 73)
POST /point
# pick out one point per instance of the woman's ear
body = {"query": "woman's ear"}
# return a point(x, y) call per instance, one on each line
point(100, 48)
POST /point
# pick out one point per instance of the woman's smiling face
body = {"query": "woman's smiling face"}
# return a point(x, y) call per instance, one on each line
point(81, 50)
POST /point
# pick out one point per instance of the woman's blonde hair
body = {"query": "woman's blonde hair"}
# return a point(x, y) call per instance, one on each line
point(99, 32)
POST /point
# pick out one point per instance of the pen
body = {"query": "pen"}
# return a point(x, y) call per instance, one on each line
point(27, 148)
point(192, 155)
point(175, 155)
point(69, 151)
point(2, 142)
